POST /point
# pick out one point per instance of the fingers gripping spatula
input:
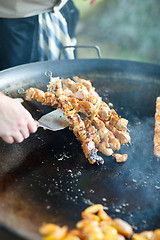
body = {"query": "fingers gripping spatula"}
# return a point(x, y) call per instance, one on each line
point(53, 121)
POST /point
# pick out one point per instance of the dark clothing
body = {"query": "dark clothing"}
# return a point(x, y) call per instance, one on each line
point(18, 41)
point(19, 37)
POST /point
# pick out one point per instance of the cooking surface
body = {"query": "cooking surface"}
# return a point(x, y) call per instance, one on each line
point(47, 178)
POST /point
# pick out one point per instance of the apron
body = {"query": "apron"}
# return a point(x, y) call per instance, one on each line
point(19, 37)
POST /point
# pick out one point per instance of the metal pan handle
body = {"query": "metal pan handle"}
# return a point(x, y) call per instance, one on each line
point(81, 46)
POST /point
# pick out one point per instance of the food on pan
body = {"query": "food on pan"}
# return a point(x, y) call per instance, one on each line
point(157, 129)
point(100, 129)
point(96, 224)
point(147, 235)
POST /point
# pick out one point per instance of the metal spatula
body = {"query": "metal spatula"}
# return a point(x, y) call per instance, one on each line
point(53, 121)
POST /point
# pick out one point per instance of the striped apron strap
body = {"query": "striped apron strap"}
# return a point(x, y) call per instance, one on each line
point(53, 35)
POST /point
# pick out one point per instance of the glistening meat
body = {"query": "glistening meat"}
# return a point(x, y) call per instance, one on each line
point(101, 129)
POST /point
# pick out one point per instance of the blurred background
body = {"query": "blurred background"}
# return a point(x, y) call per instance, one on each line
point(122, 29)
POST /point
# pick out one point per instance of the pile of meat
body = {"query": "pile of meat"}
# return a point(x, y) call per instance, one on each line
point(96, 224)
point(157, 129)
point(100, 128)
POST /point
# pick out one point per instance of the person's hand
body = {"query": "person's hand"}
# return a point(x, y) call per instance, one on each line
point(92, 2)
point(16, 123)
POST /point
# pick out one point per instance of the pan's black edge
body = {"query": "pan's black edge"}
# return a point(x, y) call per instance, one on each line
point(115, 62)
point(7, 234)
point(80, 65)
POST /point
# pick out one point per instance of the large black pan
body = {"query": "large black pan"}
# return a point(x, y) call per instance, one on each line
point(47, 178)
